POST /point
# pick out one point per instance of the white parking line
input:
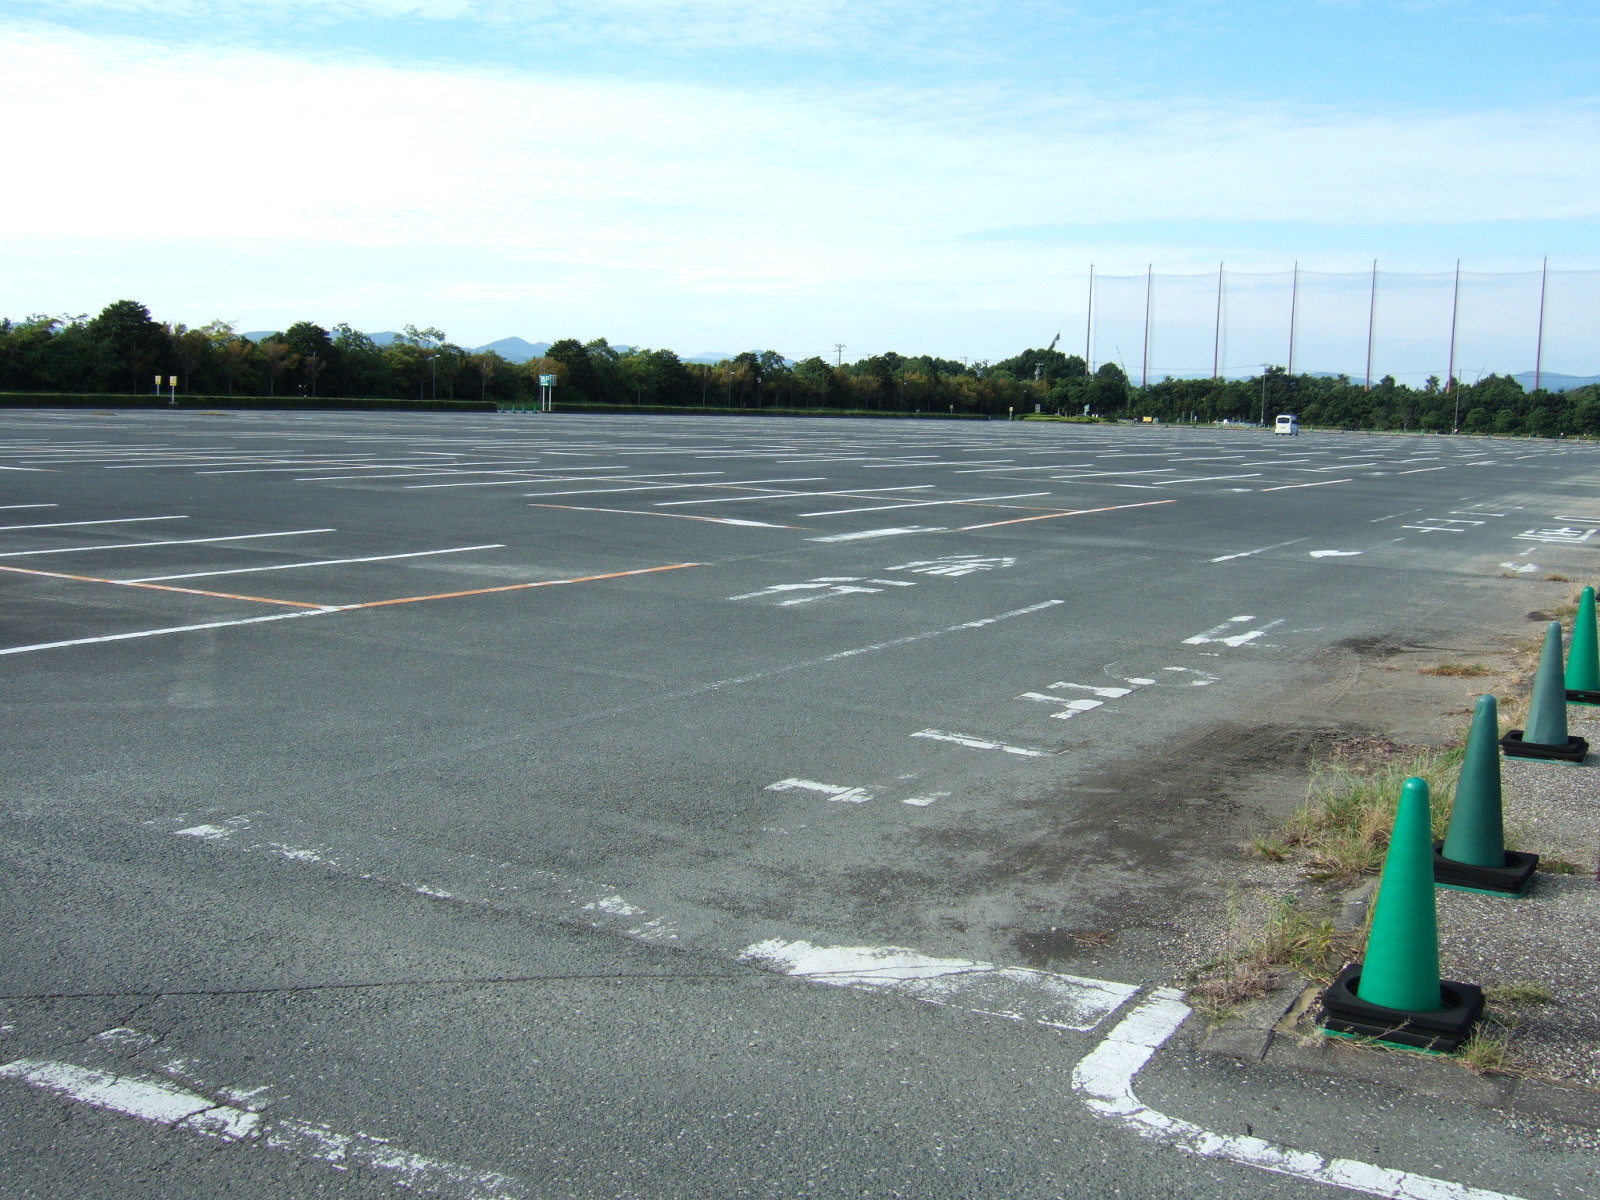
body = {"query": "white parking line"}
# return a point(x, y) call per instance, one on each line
point(1262, 550)
point(1104, 1077)
point(8, 506)
point(1320, 483)
point(237, 537)
point(144, 633)
point(323, 562)
point(112, 521)
point(862, 535)
point(861, 493)
point(838, 512)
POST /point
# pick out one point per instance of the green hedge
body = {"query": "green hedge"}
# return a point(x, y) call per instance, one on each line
point(285, 403)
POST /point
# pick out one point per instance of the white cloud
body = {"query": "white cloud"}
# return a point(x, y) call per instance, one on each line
point(683, 199)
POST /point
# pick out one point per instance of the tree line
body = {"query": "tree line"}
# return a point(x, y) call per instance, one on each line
point(123, 348)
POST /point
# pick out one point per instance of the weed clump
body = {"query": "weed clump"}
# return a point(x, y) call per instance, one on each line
point(1342, 830)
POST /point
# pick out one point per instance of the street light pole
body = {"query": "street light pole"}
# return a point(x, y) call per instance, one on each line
point(1265, 367)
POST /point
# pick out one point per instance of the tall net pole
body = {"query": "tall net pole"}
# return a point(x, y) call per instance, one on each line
point(1088, 327)
point(1538, 354)
point(1455, 311)
point(1216, 338)
point(1294, 310)
point(1372, 318)
point(1149, 289)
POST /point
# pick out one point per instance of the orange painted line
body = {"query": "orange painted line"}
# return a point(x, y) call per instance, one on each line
point(1077, 512)
point(516, 587)
point(158, 587)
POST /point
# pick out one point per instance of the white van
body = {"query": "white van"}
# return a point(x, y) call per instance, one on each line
point(1287, 423)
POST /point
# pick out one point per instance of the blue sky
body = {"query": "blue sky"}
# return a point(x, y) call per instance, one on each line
point(930, 177)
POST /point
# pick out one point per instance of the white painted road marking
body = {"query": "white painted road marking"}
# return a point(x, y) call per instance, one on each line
point(1566, 534)
point(956, 565)
point(1320, 483)
point(839, 512)
point(324, 562)
point(111, 521)
point(1520, 568)
point(162, 1102)
point(1015, 993)
point(237, 537)
point(1262, 550)
point(1334, 553)
point(863, 534)
point(973, 743)
point(1104, 1077)
point(1235, 640)
point(846, 795)
point(144, 633)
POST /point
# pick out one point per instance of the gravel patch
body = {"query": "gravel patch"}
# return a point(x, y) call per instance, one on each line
point(1551, 938)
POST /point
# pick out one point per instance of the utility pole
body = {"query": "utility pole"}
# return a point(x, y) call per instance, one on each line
point(1265, 367)
point(838, 349)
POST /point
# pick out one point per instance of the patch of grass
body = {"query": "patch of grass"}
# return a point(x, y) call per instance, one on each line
point(1270, 848)
point(1456, 670)
point(1557, 577)
point(1342, 830)
point(1522, 992)
point(1487, 1051)
point(1558, 866)
point(1217, 992)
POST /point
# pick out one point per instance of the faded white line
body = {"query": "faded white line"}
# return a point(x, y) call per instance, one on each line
point(1418, 470)
point(1262, 550)
point(1334, 553)
point(10, 506)
point(1015, 993)
point(322, 562)
point(1104, 1078)
point(162, 1102)
point(238, 537)
point(976, 743)
point(863, 534)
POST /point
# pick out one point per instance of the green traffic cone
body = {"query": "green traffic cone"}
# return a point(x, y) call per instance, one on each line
point(1583, 660)
point(1477, 824)
point(1547, 714)
point(1401, 969)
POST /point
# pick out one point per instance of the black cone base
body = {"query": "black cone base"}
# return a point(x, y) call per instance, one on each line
point(1515, 747)
point(1511, 879)
point(1582, 696)
point(1345, 1012)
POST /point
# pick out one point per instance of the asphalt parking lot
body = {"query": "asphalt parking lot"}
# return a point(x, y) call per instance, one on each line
point(336, 741)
